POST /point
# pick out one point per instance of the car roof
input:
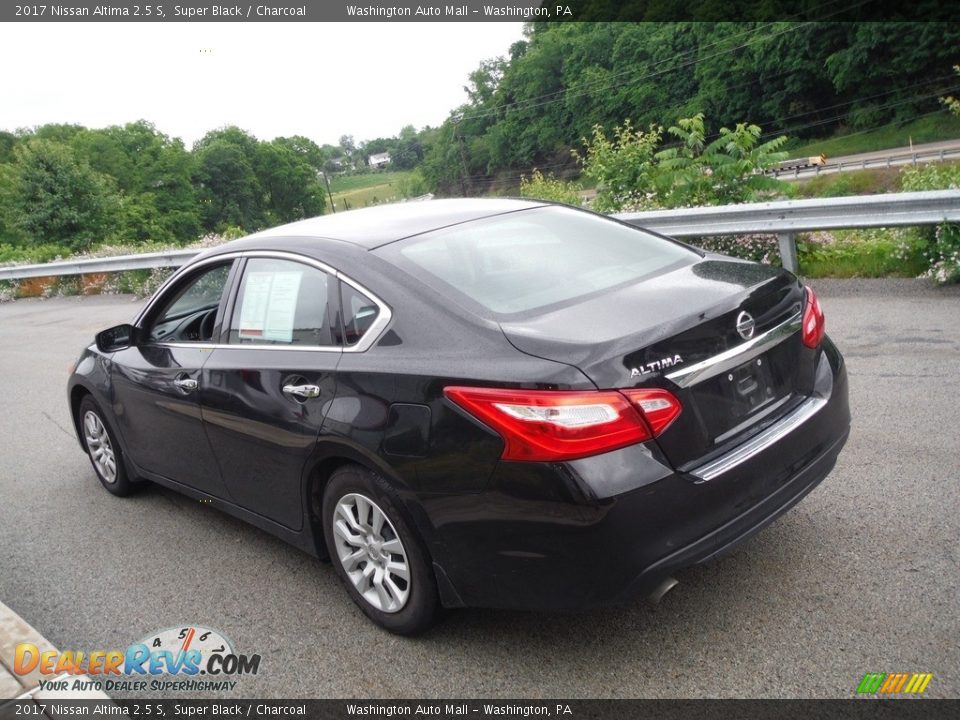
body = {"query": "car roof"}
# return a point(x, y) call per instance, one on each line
point(372, 227)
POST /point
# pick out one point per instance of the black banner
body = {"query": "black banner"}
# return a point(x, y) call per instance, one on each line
point(861, 709)
point(478, 11)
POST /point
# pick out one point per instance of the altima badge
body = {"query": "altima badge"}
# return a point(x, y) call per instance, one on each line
point(655, 366)
point(745, 325)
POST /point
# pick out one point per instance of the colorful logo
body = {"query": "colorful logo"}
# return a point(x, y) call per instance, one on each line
point(189, 651)
point(894, 683)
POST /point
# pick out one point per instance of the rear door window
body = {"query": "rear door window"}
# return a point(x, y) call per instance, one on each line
point(359, 314)
point(282, 302)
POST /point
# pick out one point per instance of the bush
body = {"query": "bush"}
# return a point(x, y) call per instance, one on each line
point(933, 176)
point(34, 254)
point(633, 171)
point(943, 251)
point(880, 252)
point(412, 186)
point(621, 167)
point(859, 182)
point(540, 187)
point(944, 255)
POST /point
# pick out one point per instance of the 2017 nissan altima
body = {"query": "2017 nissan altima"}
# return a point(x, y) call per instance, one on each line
point(496, 403)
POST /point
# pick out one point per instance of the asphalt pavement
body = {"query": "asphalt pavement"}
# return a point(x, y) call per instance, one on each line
point(862, 576)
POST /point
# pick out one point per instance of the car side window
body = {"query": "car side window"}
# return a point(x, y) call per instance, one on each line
point(359, 313)
point(282, 302)
point(189, 314)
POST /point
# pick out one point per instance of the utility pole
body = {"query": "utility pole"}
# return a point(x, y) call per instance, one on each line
point(463, 156)
point(329, 194)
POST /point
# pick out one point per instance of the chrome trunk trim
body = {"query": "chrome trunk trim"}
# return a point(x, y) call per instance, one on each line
point(735, 356)
point(757, 444)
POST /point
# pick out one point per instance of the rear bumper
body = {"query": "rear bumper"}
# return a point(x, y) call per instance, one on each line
point(739, 528)
point(609, 528)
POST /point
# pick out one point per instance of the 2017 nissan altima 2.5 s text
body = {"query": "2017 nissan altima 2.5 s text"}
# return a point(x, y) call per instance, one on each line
point(498, 403)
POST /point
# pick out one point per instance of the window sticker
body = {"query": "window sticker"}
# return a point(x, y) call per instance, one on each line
point(269, 305)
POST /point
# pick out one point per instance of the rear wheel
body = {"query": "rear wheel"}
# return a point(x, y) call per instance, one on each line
point(103, 449)
point(379, 559)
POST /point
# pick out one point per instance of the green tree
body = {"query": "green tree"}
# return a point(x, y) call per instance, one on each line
point(229, 190)
point(306, 149)
point(408, 151)
point(153, 174)
point(442, 166)
point(57, 198)
point(289, 180)
point(7, 142)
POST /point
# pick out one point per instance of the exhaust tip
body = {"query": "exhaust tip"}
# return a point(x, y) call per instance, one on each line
point(665, 586)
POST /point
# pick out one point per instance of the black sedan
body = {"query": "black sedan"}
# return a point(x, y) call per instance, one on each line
point(496, 403)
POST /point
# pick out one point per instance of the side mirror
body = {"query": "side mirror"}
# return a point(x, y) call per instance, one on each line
point(116, 338)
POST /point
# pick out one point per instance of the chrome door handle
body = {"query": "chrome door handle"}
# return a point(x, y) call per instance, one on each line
point(185, 383)
point(304, 391)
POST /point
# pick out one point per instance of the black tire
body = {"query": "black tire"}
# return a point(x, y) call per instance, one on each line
point(419, 607)
point(120, 483)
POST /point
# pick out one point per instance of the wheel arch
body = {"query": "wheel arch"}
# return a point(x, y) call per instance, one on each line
point(332, 454)
point(77, 393)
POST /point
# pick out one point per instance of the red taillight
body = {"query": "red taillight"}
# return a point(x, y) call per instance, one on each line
point(658, 407)
point(814, 326)
point(554, 425)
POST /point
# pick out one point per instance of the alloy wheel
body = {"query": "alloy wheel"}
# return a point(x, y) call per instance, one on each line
point(99, 446)
point(371, 553)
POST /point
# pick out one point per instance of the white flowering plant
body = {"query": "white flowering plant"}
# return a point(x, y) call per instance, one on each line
point(944, 255)
point(759, 248)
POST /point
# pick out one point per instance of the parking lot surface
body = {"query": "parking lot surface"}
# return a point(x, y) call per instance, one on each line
point(862, 576)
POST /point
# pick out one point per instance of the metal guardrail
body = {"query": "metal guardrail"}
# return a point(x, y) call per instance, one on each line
point(784, 218)
point(87, 266)
point(886, 161)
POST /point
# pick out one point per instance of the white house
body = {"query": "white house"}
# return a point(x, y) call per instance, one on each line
point(379, 160)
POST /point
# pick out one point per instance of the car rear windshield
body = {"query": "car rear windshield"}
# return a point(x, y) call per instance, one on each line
point(531, 259)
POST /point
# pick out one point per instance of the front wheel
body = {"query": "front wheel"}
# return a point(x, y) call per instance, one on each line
point(103, 449)
point(379, 559)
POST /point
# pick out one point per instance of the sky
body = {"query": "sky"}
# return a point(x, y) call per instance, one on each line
point(320, 80)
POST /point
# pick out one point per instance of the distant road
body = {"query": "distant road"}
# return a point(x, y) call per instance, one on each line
point(927, 152)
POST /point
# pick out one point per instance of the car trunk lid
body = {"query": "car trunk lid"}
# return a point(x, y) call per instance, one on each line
point(689, 331)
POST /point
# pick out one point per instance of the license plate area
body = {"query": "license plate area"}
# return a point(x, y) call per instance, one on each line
point(753, 385)
point(728, 401)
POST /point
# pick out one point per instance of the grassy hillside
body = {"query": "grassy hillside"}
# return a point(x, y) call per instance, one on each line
point(358, 191)
point(932, 128)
